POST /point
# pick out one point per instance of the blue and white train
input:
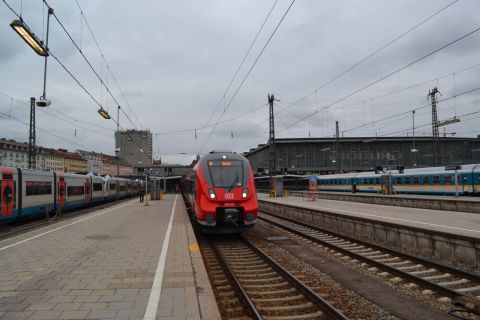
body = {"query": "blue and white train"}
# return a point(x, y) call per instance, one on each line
point(26, 193)
point(433, 180)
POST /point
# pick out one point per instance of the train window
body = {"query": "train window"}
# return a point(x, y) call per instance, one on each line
point(97, 186)
point(377, 180)
point(7, 176)
point(407, 180)
point(448, 180)
point(226, 174)
point(36, 188)
point(395, 180)
point(436, 179)
point(112, 186)
point(416, 180)
point(122, 188)
point(75, 190)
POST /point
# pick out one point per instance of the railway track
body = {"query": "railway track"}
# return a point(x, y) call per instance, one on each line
point(241, 272)
point(461, 287)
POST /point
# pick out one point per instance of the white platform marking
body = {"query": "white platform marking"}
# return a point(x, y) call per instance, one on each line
point(151, 311)
point(59, 228)
point(386, 218)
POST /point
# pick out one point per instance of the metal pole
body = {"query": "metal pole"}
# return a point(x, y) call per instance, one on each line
point(271, 138)
point(32, 157)
point(456, 184)
point(413, 139)
point(146, 187)
point(50, 11)
point(116, 147)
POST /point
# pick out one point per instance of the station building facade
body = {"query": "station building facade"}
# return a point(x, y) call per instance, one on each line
point(328, 155)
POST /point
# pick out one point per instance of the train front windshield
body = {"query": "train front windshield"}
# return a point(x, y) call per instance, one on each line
point(226, 174)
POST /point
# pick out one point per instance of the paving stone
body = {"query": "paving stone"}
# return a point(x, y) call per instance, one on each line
point(45, 315)
point(16, 315)
point(74, 315)
point(64, 306)
point(81, 292)
point(100, 268)
point(102, 314)
point(93, 306)
point(86, 299)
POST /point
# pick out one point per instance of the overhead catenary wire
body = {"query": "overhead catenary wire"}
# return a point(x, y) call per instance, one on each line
point(11, 9)
point(103, 84)
point(88, 62)
point(222, 98)
point(415, 109)
point(379, 50)
point(386, 76)
point(45, 131)
point(211, 125)
point(108, 67)
point(378, 96)
point(57, 111)
point(246, 75)
point(62, 64)
point(78, 82)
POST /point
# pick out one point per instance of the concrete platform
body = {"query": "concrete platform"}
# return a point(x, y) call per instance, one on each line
point(452, 222)
point(128, 261)
point(450, 237)
point(449, 203)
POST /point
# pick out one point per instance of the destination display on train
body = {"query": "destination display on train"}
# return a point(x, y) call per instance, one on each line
point(223, 163)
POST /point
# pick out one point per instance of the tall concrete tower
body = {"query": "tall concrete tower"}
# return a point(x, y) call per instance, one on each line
point(135, 147)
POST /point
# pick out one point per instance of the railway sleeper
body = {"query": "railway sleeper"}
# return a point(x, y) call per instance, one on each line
point(246, 267)
point(258, 271)
point(469, 290)
point(227, 293)
point(399, 263)
point(314, 315)
point(421, 272)
point(280, 299)
point(410, 268)
point(377, 256)
point(454, 283)
point(276, 285)
point(279, 292)
point(255, 275)
point(283, 309)
point(243, 260)
point(437, 277)
point(271, 280)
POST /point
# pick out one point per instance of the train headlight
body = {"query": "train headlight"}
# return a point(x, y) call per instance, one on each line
point(244, 193)
point(212, 194)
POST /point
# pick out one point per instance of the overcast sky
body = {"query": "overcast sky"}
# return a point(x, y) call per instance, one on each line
point(173, 61)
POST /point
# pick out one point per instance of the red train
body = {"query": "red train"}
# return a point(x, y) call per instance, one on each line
point(220, 193)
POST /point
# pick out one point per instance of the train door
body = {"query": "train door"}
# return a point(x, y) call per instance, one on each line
point(7, 193)
point(62, 191)
point(387, 186)
point(88, 191)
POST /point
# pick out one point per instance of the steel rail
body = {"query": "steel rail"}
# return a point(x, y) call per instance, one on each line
point(243, 293)
point(457, 297)
point(324, 305)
